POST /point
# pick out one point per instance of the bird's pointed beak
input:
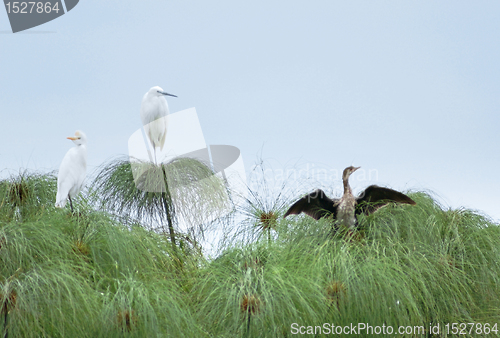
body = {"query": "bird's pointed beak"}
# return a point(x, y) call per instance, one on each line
point(165, 93)
point(356, 168)
point(72, 138)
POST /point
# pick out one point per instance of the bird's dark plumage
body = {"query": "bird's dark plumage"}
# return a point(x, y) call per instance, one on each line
point(318, 205)
point(375, 197)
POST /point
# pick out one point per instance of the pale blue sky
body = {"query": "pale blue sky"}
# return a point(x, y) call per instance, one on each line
point(410, 90)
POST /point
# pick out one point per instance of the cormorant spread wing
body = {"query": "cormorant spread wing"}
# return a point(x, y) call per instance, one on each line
point(375, 197)
point(316, 204)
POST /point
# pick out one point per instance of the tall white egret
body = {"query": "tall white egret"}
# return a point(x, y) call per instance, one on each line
point(72, 171)
point(154, 109)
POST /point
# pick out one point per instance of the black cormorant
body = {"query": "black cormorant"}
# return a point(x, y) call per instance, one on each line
point(344, 210)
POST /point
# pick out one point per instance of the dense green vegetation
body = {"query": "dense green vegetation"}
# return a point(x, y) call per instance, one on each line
point(103, 272)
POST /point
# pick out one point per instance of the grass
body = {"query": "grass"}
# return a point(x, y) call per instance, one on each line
point(110, 269)
point(183, 190)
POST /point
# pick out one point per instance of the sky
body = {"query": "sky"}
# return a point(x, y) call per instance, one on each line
point(409, 91)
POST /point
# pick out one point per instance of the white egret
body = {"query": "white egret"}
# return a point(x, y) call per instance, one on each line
point(72, 171)
point(154, 109)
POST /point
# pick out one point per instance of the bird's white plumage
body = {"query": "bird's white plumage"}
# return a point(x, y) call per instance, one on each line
point(154, 109)
point(73, 170)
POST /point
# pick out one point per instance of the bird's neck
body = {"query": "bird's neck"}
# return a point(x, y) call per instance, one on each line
point(347, 188)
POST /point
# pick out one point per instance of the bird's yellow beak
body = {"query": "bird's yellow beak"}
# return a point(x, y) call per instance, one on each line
point(72, 138)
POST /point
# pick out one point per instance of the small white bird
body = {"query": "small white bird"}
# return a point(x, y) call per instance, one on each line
point(154, 108)
point(72, 171)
